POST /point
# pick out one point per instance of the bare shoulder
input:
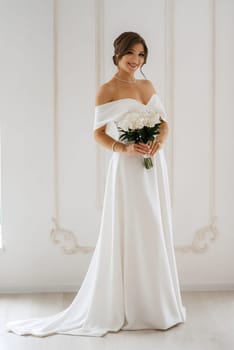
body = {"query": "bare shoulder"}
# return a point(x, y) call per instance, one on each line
point(148, 86)
point(105, 93)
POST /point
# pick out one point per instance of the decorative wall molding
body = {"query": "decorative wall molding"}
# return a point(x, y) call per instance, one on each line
point(66, 239)
point(2, 248)
point(206, 235)
point(99, 59)
point(202, 239)
point(169, 82)
point(55, 87)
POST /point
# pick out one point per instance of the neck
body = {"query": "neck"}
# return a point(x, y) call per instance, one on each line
point(125, 76)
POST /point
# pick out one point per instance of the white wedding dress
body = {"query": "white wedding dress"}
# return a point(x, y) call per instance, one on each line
point(132, 281)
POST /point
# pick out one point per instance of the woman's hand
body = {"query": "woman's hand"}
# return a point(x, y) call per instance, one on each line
point(137, 148)
point(158, 143)
point(154, 146)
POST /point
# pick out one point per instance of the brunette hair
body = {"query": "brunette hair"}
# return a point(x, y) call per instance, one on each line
point(124, 42)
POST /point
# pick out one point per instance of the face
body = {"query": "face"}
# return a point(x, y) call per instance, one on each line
point(133, 60)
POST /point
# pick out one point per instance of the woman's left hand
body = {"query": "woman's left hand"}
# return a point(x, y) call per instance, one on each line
point(154, 146)
point(158, 143)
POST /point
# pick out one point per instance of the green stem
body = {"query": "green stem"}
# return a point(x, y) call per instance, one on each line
point(148, 163)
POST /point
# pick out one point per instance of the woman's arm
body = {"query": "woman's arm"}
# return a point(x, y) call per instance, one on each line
point(104, 95)
point(106, 141)
point(163, 132)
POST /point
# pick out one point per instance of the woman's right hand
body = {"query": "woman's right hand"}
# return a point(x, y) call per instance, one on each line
point(136, 148)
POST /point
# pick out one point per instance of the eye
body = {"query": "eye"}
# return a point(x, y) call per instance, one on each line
point(142, 54)
point(129, 52)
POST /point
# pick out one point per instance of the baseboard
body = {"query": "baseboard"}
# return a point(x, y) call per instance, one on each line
point(185, 287)
point(205, 287)
point(11, 289)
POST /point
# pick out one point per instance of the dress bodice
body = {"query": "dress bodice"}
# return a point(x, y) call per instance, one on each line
point(111, 112)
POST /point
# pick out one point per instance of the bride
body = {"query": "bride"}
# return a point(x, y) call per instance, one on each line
point(132, 280)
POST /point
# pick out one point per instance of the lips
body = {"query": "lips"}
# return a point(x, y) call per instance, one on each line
point(133, 65)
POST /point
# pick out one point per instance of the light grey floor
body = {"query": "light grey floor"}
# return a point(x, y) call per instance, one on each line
point(209, 325)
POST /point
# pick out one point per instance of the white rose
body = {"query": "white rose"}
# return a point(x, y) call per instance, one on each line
point(149, 122)
point(139, 123)
point(132, 116)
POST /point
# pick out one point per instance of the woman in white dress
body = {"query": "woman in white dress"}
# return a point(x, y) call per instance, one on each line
point(132, 280)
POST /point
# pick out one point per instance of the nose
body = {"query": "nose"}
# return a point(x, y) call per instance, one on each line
point(135, 59)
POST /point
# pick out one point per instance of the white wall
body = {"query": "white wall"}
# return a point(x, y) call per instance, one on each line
point(50, 53)
point(203, 109)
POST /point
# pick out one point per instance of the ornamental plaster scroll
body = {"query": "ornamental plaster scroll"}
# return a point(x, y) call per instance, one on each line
point(67, 240)
point(202, 239)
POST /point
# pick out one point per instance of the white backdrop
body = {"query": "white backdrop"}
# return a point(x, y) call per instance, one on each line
point(54, 54)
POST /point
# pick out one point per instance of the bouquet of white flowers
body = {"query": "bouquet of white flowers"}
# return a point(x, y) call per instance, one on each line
point(140, 126)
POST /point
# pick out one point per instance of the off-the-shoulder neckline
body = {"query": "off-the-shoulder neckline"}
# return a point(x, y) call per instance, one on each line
point(127, 98)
